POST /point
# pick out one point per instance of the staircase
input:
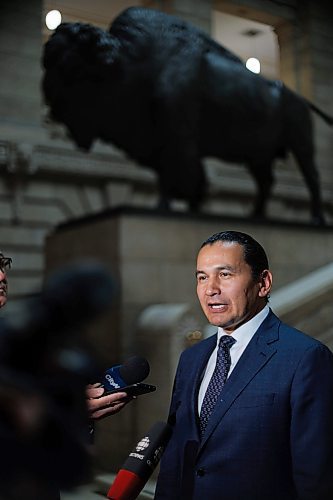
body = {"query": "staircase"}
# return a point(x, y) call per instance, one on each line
point(306, 304)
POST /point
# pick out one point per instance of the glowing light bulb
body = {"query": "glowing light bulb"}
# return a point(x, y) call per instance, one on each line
point(253, 64)
point(53, 19)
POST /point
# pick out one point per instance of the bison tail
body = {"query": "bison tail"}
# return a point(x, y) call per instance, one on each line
point(327, 118)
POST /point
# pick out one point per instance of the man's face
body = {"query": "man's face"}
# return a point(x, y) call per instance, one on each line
point(3, 287)
point(228, 294)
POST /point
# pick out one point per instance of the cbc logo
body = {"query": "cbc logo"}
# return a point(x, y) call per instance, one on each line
point(143, 444)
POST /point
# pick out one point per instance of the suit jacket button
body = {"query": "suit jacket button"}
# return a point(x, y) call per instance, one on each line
point(201, 472)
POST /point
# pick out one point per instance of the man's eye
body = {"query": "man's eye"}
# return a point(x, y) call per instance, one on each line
point(225, 274)
point(201, 278)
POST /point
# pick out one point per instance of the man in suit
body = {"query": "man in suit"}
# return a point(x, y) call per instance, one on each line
point(252, 413)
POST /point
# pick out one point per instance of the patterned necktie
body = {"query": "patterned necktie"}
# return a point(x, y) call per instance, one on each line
point(216, 383)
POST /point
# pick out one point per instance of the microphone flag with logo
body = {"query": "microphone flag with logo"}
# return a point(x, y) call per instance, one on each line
point(133, 370)
point(140, 464)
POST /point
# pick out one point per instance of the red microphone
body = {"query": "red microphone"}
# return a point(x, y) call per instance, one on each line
point(140, 463)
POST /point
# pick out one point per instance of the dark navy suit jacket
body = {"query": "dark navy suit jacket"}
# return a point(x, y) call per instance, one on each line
point(270, 436)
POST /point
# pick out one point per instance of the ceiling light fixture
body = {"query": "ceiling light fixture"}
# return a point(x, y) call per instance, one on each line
point(253, 64)
point(53, 19)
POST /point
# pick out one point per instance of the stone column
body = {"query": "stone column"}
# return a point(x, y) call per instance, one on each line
point(20, 65)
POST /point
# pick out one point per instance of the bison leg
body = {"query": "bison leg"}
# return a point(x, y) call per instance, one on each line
point(263, 176)
point(184, 180)
point(304, 155)
point(163, 204)
point(300, 137)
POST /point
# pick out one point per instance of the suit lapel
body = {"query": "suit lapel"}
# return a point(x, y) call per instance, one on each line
point(259, 351)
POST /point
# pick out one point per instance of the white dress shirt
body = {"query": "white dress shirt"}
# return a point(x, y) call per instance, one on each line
point(243, 334)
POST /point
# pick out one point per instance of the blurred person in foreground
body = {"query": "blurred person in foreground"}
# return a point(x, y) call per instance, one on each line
point(99, 406)
point(252, 405)
point(43, 411)
point(23, 415)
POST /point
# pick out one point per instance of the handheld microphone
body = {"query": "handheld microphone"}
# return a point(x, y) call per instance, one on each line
point(133, 370)
point(140, 463)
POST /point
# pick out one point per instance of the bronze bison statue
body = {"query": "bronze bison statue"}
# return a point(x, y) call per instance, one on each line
point(169, 96)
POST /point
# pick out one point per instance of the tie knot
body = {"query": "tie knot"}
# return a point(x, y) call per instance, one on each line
point(227, 340)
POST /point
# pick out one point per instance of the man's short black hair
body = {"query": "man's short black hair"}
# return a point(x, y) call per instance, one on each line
point(254, 254)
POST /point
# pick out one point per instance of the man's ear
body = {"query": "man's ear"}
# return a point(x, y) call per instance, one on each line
point(265, 282)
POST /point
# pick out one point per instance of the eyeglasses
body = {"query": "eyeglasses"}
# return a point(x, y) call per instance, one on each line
point(5, 262)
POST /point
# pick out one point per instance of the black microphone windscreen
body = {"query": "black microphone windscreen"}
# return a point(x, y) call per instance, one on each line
point(147, 453)
point(140, 463)
point(134, 370)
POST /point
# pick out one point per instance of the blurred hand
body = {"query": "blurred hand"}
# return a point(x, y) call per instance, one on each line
point(100, 406)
